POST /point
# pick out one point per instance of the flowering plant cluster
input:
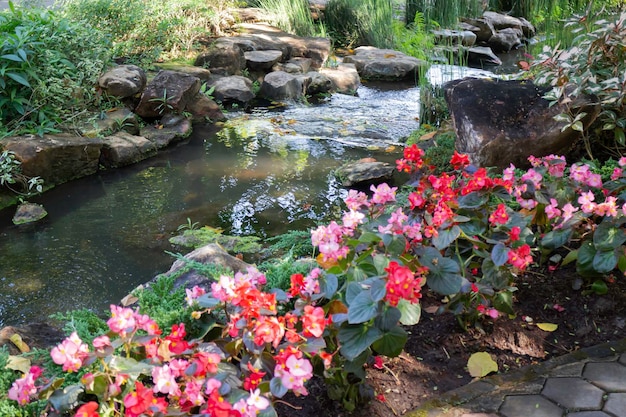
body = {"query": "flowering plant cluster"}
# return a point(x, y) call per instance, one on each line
point(466, 235)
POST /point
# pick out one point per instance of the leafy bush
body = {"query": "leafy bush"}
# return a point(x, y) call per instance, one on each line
point(48, 68)
point(296, 242)
point(360, 22)
point(413, 39)
point(440, 154)
point(87, 324)
point(11, 174)
point(596, 65)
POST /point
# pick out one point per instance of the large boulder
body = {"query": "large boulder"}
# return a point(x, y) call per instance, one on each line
point(502, 122)
point(232, 89)
point(454, 37)
point(482, 28)
point(56, 158)
point(385, 64)
point(223, 57)
point(294, 65)
point(169, 92)
point(279, 85)
point(262, 60)
point(203, 109)
point(506, 40)
point(211, 254)
point(123, 149)
point(345, 78)
point(116, 120)
point(171, 129)
point(319, 84)
point(123, 81)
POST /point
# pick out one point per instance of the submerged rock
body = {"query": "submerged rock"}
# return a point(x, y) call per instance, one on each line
point(364, 172)
point(29, 213)
point(385, 64)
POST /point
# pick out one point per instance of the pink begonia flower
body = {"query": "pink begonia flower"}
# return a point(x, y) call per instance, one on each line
point(23, 389)
point(355, 200)
point(212, 384)
point(509, 173)
point(192, 294)
point(122, 320)
point(586, 202)
point(101, 342)
point(257, 400)
point(594, 180)
point(383, 193)
point(534, 177)
point(165, 381)
point(70, 353)
point(622, 161)
point(607, 208)
point(193, 392)
point(617, 174)
point(568, 212)
point(312, 283)
point(552, 210)
point(352, 219)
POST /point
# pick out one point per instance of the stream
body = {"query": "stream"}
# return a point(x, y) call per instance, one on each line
point(262, 173)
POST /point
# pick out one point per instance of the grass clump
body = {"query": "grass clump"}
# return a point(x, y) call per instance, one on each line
point(360, 22)
point(292, 16)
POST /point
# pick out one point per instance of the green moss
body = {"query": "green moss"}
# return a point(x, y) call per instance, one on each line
point(196, 238)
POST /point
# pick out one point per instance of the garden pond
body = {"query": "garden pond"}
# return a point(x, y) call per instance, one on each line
point(264, 172)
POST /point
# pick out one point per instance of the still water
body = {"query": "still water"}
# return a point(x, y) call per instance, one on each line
point(264, 173)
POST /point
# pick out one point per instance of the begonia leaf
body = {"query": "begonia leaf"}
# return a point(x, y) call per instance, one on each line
point(355, 339)
point(604, 261)
point(445, 237)
point(609, 235)
point(391, 343)
point(397, 246)
point(555, 239)
point(473, 200)
point(362, 308)
point(277, 388)
point(388, 319)
point(63, 400)
point(499, 254)
point(410, 313)
point(443, 273)
point(269, 411)
point(378, 289)
point(381, 262)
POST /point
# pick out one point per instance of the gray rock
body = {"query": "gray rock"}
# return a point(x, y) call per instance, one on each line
point(528, 29)
point(502, 122)
point(279, 85)
point(319, 83)
point(223, 57)
point(502, 21)
point(483, 29)
point(56, 158)
point(294, 66)
point(202, 108)
point(232, 89)
point(506, 40)
point(123, 81)
point(163, 135)
point(454, 37)
point(364, 172)
point(211, 254)
point(384, 64)
point(481, 56)
point(115, 121)
point(345, 78)
point(262, 60)
point(29, 213)
point(123, 149)
point(168, 92)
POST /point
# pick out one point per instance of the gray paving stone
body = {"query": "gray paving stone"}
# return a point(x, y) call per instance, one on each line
point(571, 369)
point(573, 393)
point(622, 359)
point(588, 414)
point(616, 404)
point(529, 405)
point(610, 376)
point(478, 415)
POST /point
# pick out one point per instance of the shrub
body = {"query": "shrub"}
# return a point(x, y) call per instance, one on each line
point(49, 68)
point(292, 16)
point(596, 66)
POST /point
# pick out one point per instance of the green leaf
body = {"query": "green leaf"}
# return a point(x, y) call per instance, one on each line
point(378, 288)
point(481, 364)
point(381, 262)
point(604, 261)
point(206, 301)
point(620, 138)
point(12, 57)
point(586, 255)
point(277, 388)
point(355, 339)
point(473, 200)
point(269, 411)
point(443, 273)
point(19, 79)
point(577, 126)
point(555, 239)
point(499, 254)
point(548, 327)
point(388, 319)
point(446, 237)
point(473, 228)
point(329, 285)
point(503, 301)
point(609, 235)
point(353, 289)
point(410, 313)
point(599, 287)
point(369, 237)
point(391, 343)
point(397, 246)
point(130, 366)
point(363, 308)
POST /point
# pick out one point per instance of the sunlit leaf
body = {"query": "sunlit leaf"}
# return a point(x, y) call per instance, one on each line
point(18, 363)
point(548, 327)
point(410, 313)
point(19, 343)
point(481, 364)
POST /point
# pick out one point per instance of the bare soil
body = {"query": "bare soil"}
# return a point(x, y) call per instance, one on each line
point(436, 354)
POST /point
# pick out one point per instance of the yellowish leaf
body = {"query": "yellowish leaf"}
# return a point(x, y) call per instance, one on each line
point(548, 327)
point(481, 364)
point(18, 363)
point(17, 341)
